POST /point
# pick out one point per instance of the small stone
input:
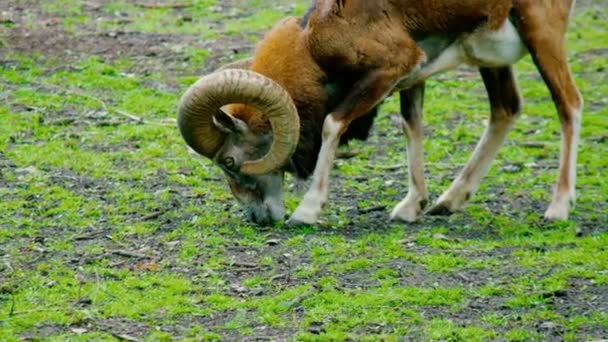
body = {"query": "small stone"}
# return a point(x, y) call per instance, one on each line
point(6, 18)
point(440, 236)
point(26, 171)
point(316, 328)
point(272, 242)
point(408, 240)
point(548, 326)
point(238, 288)
point(512, 168)
point(85, 301)
point(78, 331)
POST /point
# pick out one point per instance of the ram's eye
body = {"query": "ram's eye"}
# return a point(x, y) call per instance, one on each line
point(230, 163)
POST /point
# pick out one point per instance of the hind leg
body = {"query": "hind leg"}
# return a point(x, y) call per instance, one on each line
point(569, 106)
point(505, 103)
point(411, 110)
point(546, 43)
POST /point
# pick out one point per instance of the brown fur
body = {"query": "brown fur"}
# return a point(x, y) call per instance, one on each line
point(283, 55)
point(551, 60)
point(366, 46)
point(375, 40)
point(301, 76)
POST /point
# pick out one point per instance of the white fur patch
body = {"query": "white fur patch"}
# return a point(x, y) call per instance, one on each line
point(491, 49)
point(309, 210)
point(562, 202)
point(411, 206)
point(482, 48)
point(449, 59)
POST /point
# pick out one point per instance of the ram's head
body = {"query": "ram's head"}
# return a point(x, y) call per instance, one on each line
point(217, 118)
point(250, 116)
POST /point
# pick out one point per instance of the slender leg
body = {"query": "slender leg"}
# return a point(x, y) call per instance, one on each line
point(411, 206)
point(505, 103)
point(569, 106)
point(309, 210)
point(547, 47)
point(364, 96)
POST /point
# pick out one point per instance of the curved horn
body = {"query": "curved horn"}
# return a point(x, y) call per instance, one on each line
point(202, 100)
point(244, 63)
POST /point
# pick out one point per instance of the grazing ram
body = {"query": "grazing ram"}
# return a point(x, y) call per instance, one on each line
point(316, 81)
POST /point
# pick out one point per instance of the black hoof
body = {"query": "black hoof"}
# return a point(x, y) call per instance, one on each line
point(439, 210)
point(294, 223)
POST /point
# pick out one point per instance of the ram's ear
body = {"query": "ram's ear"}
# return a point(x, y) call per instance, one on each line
point(229, 124)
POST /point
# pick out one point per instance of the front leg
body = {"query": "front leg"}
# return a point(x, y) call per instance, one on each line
point(309, 210)
point(363, 97)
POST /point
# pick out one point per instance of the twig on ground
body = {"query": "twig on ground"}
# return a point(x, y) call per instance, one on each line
point(61, 122)
point(125, 337)
point(399, 167)
point(371, 209)
point(152, 216)
point(278, 276)
point(118, 264)
point(342, 154)
point(103, 104)
point(160, 6)
point(25, 312)
point(532, 144)
point(11, 311)
point(130, 254)
point(463, 277)
point(390, 167)
point(300, 298)
point(245, 269)
point(90, 236)
point(13, 304)
point(130, 116)
point(241, 264)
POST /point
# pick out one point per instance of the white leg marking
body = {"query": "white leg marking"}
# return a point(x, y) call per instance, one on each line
point(564, 195)
point(309, 210)
point(411, 206)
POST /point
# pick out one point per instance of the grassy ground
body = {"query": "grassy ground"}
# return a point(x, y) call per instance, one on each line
point(109, 229)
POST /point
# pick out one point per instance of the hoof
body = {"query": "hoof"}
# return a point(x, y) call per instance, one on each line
point(439, 209)
point(404, 217)
point(559, 210)
point(307, 213)
point(302, 217)
point(294, 223)
point(409, 209)
point(556, 215)
point(405, 214)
